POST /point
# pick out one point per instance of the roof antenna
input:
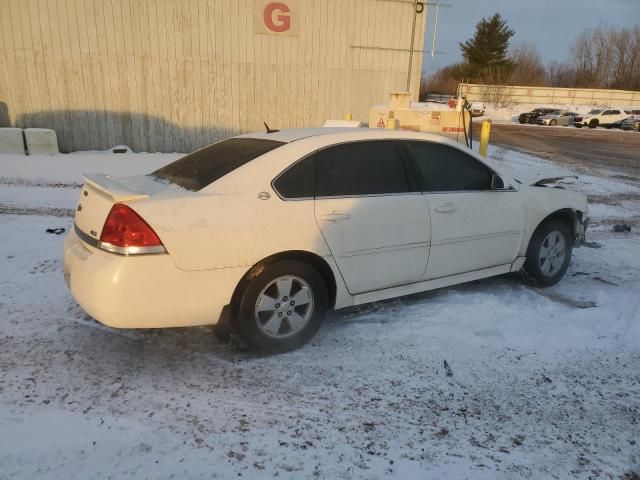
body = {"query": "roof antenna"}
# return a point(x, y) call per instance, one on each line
point(269, 130)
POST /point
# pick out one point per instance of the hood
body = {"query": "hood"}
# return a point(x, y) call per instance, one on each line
point(540, 178)
point(543, 182)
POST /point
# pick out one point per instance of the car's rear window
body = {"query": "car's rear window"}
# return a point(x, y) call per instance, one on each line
point(203, 167)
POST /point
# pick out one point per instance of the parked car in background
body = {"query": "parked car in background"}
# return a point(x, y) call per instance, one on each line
point(559, 117)
point(532, 116)
point(477, 109)
point(631, 123)
point(270, 230)
point(598, 117)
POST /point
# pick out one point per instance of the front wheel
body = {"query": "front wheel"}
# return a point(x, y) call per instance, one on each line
point(593, 124)
point(553, 123)
point(549, 254)
point(282, 307)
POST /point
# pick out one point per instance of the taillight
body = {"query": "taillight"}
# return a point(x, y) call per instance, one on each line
point(126, 233)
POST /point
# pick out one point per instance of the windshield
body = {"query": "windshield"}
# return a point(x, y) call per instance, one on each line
point(203, 167)
point(595, 112)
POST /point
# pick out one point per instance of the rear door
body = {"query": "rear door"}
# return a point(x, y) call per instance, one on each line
point(376, 228)
point(472, 226)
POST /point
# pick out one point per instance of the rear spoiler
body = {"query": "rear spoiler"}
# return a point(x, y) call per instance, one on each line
point(112, 188)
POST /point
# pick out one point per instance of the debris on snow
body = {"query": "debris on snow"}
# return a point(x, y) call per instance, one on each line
point(621, 227)
point(447, 369)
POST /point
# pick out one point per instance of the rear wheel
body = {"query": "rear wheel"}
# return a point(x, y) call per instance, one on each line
point(549, 254)
point(282, 307)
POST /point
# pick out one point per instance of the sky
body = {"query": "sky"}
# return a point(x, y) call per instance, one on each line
point(550, 25)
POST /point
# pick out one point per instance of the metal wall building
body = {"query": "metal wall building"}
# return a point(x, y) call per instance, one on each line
point(174, 75)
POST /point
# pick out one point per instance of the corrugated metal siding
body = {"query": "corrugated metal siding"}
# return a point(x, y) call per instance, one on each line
point(174, 75)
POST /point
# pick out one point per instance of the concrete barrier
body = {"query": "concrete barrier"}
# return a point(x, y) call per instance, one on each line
point(11, 140)
point(41, 141)
point(508, 94)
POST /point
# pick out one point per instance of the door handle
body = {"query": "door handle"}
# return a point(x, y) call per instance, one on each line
point(334, 216)
point(447, 208)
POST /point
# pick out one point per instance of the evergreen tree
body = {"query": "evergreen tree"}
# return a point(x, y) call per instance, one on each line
point(485, 55)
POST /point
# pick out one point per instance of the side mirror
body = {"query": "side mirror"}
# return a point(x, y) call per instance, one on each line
point(496, 182)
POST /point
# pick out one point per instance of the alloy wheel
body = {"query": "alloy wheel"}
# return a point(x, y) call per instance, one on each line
point(552, 253)
point(284, 307)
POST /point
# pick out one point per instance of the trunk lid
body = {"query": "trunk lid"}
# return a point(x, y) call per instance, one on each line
point(100, 192)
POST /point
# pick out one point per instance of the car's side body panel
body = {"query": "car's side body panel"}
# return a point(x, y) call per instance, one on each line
point(432, 284)
point(473, 230)
point(538, 207)
point(374, 246)
point(229, 230)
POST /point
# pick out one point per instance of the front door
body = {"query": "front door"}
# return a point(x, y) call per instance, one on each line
point(472, 226)
point(376, 228)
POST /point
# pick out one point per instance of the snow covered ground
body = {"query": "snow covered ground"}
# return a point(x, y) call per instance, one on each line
point(539, 383)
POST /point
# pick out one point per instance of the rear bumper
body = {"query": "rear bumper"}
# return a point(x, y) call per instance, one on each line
point(146, 291)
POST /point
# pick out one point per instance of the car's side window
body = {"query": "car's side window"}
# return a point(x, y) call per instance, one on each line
point(360, 168)
point(298, 181)
point(615, 112)
point(443, 168)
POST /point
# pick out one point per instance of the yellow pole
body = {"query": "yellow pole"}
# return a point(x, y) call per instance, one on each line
point(348, 117)
point(485, 133)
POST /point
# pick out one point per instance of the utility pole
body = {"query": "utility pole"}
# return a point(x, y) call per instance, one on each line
point(413, 39)
point(418, 7)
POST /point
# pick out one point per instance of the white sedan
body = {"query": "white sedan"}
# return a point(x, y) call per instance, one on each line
point(267, 231)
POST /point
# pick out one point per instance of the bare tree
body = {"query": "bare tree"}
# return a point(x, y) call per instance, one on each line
point(561, 75)
point(529, 69)
point(625, 70)
point(497, 89)
point(444, 81)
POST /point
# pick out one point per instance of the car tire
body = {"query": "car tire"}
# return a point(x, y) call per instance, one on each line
point(593, 124)
point(269, 320)
point(553, 123)
point(548, 254)
point(522, 121)
point(578, 125)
